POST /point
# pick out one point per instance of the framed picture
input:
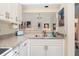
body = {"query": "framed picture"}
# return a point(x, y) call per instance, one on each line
point(39, 25)
point(54, 26)
point(46, 25)
point(61, 17)
point(28, 24)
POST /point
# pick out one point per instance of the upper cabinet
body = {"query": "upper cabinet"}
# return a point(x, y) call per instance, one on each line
point(11, 12)
point(3, 8)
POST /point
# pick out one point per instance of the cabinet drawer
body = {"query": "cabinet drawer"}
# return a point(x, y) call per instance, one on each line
point(38, 42)
point(47, 42)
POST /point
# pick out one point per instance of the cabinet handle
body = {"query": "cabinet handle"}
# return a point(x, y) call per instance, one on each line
point(25, 44)
point(46, 47)
point(15, 51)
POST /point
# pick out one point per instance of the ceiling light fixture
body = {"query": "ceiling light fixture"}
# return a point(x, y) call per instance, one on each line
point(46, 6)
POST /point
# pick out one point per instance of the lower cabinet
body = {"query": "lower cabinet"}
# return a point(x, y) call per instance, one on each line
point(20, 50)
point(47, 47)
point(39, 47)
point(55, 50)
point(23, 49)
point(14, 52)
point(37, 51)
point(46, 51)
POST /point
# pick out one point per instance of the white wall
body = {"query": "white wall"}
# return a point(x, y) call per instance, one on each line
point(40, 8)
point(46, 17)
point(69, 29)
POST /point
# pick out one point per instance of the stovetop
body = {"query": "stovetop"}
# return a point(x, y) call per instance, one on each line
point(2, 50)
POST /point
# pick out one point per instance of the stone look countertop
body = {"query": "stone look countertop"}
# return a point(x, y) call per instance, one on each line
point(46, 37)
point(12, 41)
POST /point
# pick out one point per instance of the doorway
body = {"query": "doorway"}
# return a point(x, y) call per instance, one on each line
point(77, 29)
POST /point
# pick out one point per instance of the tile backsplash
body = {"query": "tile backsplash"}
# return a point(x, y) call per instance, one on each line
point(6, 28)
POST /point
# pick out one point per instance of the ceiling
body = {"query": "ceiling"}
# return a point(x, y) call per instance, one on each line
point(41, 5)
point(51, 6)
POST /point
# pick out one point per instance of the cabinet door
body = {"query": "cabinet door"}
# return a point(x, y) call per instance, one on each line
point(55, 50)
point(3, 9)
point(19, 12)
point(23, 49)
point(37, 51)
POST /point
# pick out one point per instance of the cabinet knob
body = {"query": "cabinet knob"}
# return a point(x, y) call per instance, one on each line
point(25, 44)
point(15, 51)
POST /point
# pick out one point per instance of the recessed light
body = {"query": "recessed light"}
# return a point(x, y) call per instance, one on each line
point(46, 6)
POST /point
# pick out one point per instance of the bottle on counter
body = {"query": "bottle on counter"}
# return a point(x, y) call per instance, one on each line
point(54, 34)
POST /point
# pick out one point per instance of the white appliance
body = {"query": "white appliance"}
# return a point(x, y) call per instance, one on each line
point(4, 50)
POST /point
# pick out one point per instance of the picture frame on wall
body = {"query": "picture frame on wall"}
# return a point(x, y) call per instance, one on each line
point(28, 24)
point(46, 25)
point(61, 17)
point(54, 26)
point(39, 25)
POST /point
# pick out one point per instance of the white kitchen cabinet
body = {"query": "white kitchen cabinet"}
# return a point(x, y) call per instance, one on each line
point(19, 13)
point(3, 9)
point(20, 50)
point(37, 51)
point(47, 47)
point(55, 50)
point(24, 49)
point(14, 12)
point(46, 50)
point(14, 52)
